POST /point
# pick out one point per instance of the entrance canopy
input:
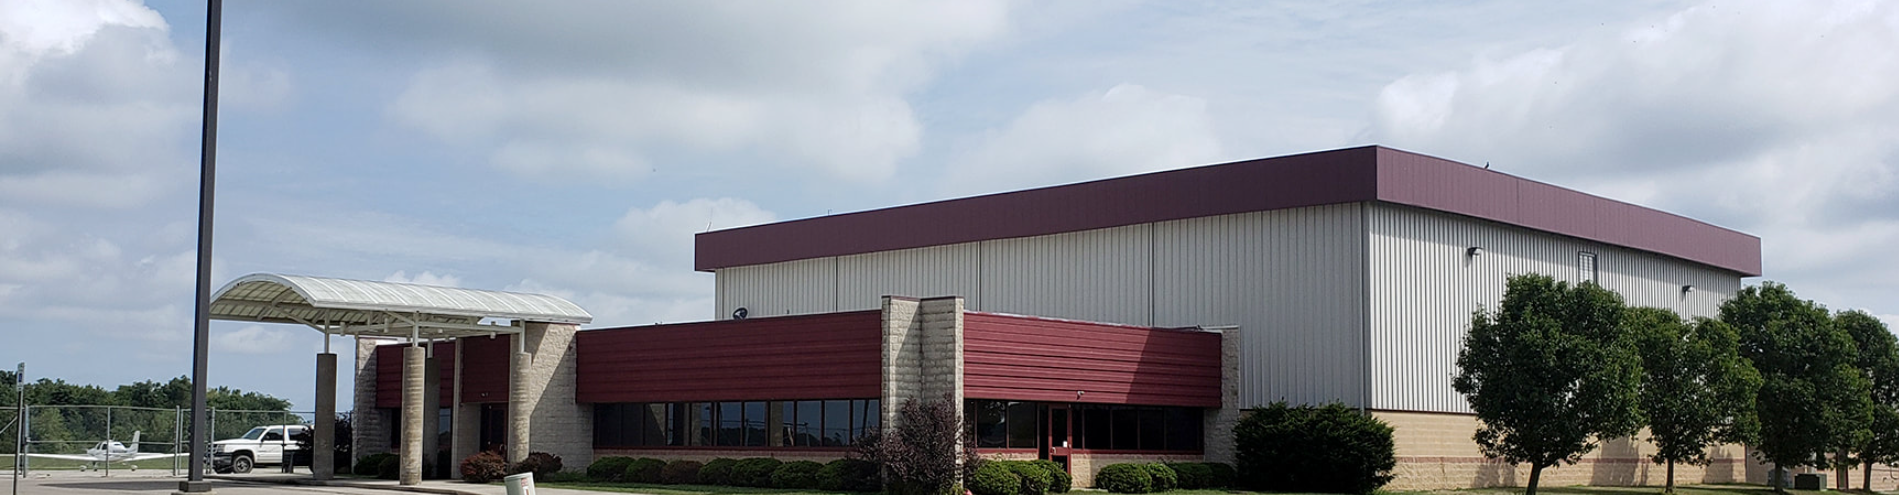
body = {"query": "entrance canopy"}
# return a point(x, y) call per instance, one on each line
point(365, 308)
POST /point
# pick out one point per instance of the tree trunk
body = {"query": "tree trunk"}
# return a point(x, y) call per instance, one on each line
point(1868, 466)
point(1840, 467)
point(1669, 487)
point(1536, 472)
point(1776, 478)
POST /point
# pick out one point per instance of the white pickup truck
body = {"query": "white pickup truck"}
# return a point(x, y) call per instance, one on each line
point(261, 445)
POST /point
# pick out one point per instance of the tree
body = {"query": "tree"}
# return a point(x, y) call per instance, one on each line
point(1813, 400)
point(1550, 373)
point(1879, 363)
point(920, 454)
point(1696, 389)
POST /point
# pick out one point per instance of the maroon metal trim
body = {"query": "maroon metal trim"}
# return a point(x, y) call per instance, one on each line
point(1370, 173)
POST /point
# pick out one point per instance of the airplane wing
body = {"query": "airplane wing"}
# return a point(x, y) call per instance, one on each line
point(151, 455)
point(68, 457)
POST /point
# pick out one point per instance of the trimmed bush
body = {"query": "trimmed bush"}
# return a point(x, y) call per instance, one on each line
point(370, 464)
point(483, 467)
point(542, 464)
point(1035, 478)
point(390, 468)
point(680, 473)
point(1193, 475)
point(717, 471)
point(849, 475)
point(1164, 477)
point(755, 472)
point(1059, 480)
point(1329, 449)
point(643, 470)
point(609, 468)
point(1223, 476)
point(1125, 478)
point(796, 474)
point(995, 478)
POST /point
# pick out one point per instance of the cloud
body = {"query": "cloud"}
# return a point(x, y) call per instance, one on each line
point(610, 89)
point(424, 278)
point(665, 231)
point(253, 339)
point(1124, 130)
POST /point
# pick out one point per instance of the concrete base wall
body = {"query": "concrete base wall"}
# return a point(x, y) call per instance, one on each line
point(1435, 451)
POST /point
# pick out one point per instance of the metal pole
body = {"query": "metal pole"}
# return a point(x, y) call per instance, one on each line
point(207, 182)
point(108, 443)
point(177, 433)
point(19, 426)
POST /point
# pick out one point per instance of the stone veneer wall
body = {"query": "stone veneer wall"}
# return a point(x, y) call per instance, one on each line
point(369, 429)
point(558, 425)
point(1435, 451)
point(1217, 432)
point(702, 454)
point(922, 352)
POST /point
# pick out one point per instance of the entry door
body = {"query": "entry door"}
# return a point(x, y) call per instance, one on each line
point(494, 427)
point(1060, 427)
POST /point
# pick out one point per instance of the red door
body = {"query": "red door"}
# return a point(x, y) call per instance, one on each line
point(1060, 427)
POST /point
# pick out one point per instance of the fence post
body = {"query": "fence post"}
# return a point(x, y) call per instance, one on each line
point(107, 463)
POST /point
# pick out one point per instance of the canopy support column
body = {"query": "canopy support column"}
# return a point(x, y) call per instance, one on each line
point(323, 440)
point(414, 362)
point(519, 405)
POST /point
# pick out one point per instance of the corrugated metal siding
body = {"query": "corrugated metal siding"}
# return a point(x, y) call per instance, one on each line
point(1020, 358)
point(825, 356)
point(779, 289)
point(1291, 279)
point(1096, 275)
point(389, 374)
point(864, 279)
point(1424, 289)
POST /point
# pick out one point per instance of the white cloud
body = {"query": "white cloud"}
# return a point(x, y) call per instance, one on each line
point(665, 231)
point(1124, 130)
point(424, 278)
point(550, 93)
point(253, 339)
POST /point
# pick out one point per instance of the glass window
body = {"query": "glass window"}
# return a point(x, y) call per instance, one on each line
point(837, 423)
point(731, 424)
point(606, 424)
point(809, 426)
point(1183, 428)
point(989, 416)
point(1022, 424)
point(1153, 428)
point(1127, 426)
point(867, 417)
point(703, 422)
point(1586, 265)
point(1096, 430)
point(652, 424)
point(754, 424)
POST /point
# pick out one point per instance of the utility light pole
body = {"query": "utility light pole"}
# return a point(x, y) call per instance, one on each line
point(207, 182)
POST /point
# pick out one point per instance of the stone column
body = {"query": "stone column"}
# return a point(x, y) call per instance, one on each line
point(542, 397)
point(922, 354)
point(323, 441)
point(414, 359)
point(1217, 430)
point(463, 434)
point(368, 433)
point(431, 407)
point(520, 406)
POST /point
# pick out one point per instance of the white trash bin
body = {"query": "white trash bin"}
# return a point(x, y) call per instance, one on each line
point(520, 484)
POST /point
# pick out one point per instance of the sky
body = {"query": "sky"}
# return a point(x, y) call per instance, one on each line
point(573, 147)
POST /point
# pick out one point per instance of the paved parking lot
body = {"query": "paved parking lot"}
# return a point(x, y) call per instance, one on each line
point(127, 482)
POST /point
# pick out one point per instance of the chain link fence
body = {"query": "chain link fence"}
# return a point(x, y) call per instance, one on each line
point(73, 429)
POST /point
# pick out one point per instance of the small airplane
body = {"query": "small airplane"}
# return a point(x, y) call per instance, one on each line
point(107, 452)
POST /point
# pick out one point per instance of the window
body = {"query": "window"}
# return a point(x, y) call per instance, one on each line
point(1004, 424)
point(1116, 427)
point(810, 423)
point(1586, 266)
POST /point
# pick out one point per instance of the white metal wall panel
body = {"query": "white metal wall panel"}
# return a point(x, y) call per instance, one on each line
point(1097, 275)
point(1424, 290)
point(1293, 280)
point(778, 289)
point(863, 279)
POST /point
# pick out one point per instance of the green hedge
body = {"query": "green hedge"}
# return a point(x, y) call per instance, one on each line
point(1163, 476)
point(680, 472)
point(717, 471)
point(1203, 475)
point(370, 464)
point(643, 470)
point(1330, 449)
point(796, 474)
point(610, 468)
point(995, 478)
point(1059, 480)
point(849, 475)
point(1125, 478)
point(755, 472)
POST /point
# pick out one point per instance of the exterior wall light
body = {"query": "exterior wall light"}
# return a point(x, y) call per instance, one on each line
point(1687, 289)
point(1474, 251)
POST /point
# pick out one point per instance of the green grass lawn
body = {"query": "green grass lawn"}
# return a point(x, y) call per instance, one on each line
point(36, 463)
point(654, 489)
point(1632, 490)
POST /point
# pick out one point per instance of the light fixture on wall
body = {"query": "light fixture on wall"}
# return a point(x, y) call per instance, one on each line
point(740, 314)
point(1687, 289)
point(1474, 251)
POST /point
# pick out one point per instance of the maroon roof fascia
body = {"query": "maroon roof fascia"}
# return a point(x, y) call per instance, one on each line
point(1370, 173)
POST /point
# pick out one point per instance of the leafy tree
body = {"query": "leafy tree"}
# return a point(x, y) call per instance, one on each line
point(1696, 389)
point(1879, 363)
point(1549, 373)
point(1813, 399)
point(920, 453)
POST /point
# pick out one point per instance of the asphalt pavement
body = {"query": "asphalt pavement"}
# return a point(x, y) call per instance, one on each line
point(75, 482)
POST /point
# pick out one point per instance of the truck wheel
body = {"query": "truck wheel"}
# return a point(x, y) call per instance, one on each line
point(241, 464)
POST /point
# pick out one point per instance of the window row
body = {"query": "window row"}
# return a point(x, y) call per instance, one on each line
point(1025, 425)
point(804, 423)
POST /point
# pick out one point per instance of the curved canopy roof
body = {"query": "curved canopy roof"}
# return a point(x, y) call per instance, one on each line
point(361, 307)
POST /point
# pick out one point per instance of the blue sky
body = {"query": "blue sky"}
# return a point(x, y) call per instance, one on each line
point(573, 147)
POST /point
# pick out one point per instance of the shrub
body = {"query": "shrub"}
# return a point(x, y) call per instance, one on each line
point(1059, 480)
point(1035, 478)
point(390, 468)
point(643, 470)
point(1194, 475)
point(994, 478)
point(796, 474)
point(370, 464)
point(849, 475)
point(542, 464)
point(1222, 475)
point(1330, 449)
point(919, 454)
point(483, 467)
point(680, 473)
point(1163, 476)
point(1125, 478)
point(755, 472)
point(608, 468)
point(717, 471)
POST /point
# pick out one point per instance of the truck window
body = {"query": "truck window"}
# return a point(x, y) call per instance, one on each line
point(254, 434)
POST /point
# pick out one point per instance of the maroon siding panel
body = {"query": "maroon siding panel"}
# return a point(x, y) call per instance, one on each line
point(389, 374)
point(1328, 177)
point(1024, 358)
point(485, 368)
point(824, 356)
